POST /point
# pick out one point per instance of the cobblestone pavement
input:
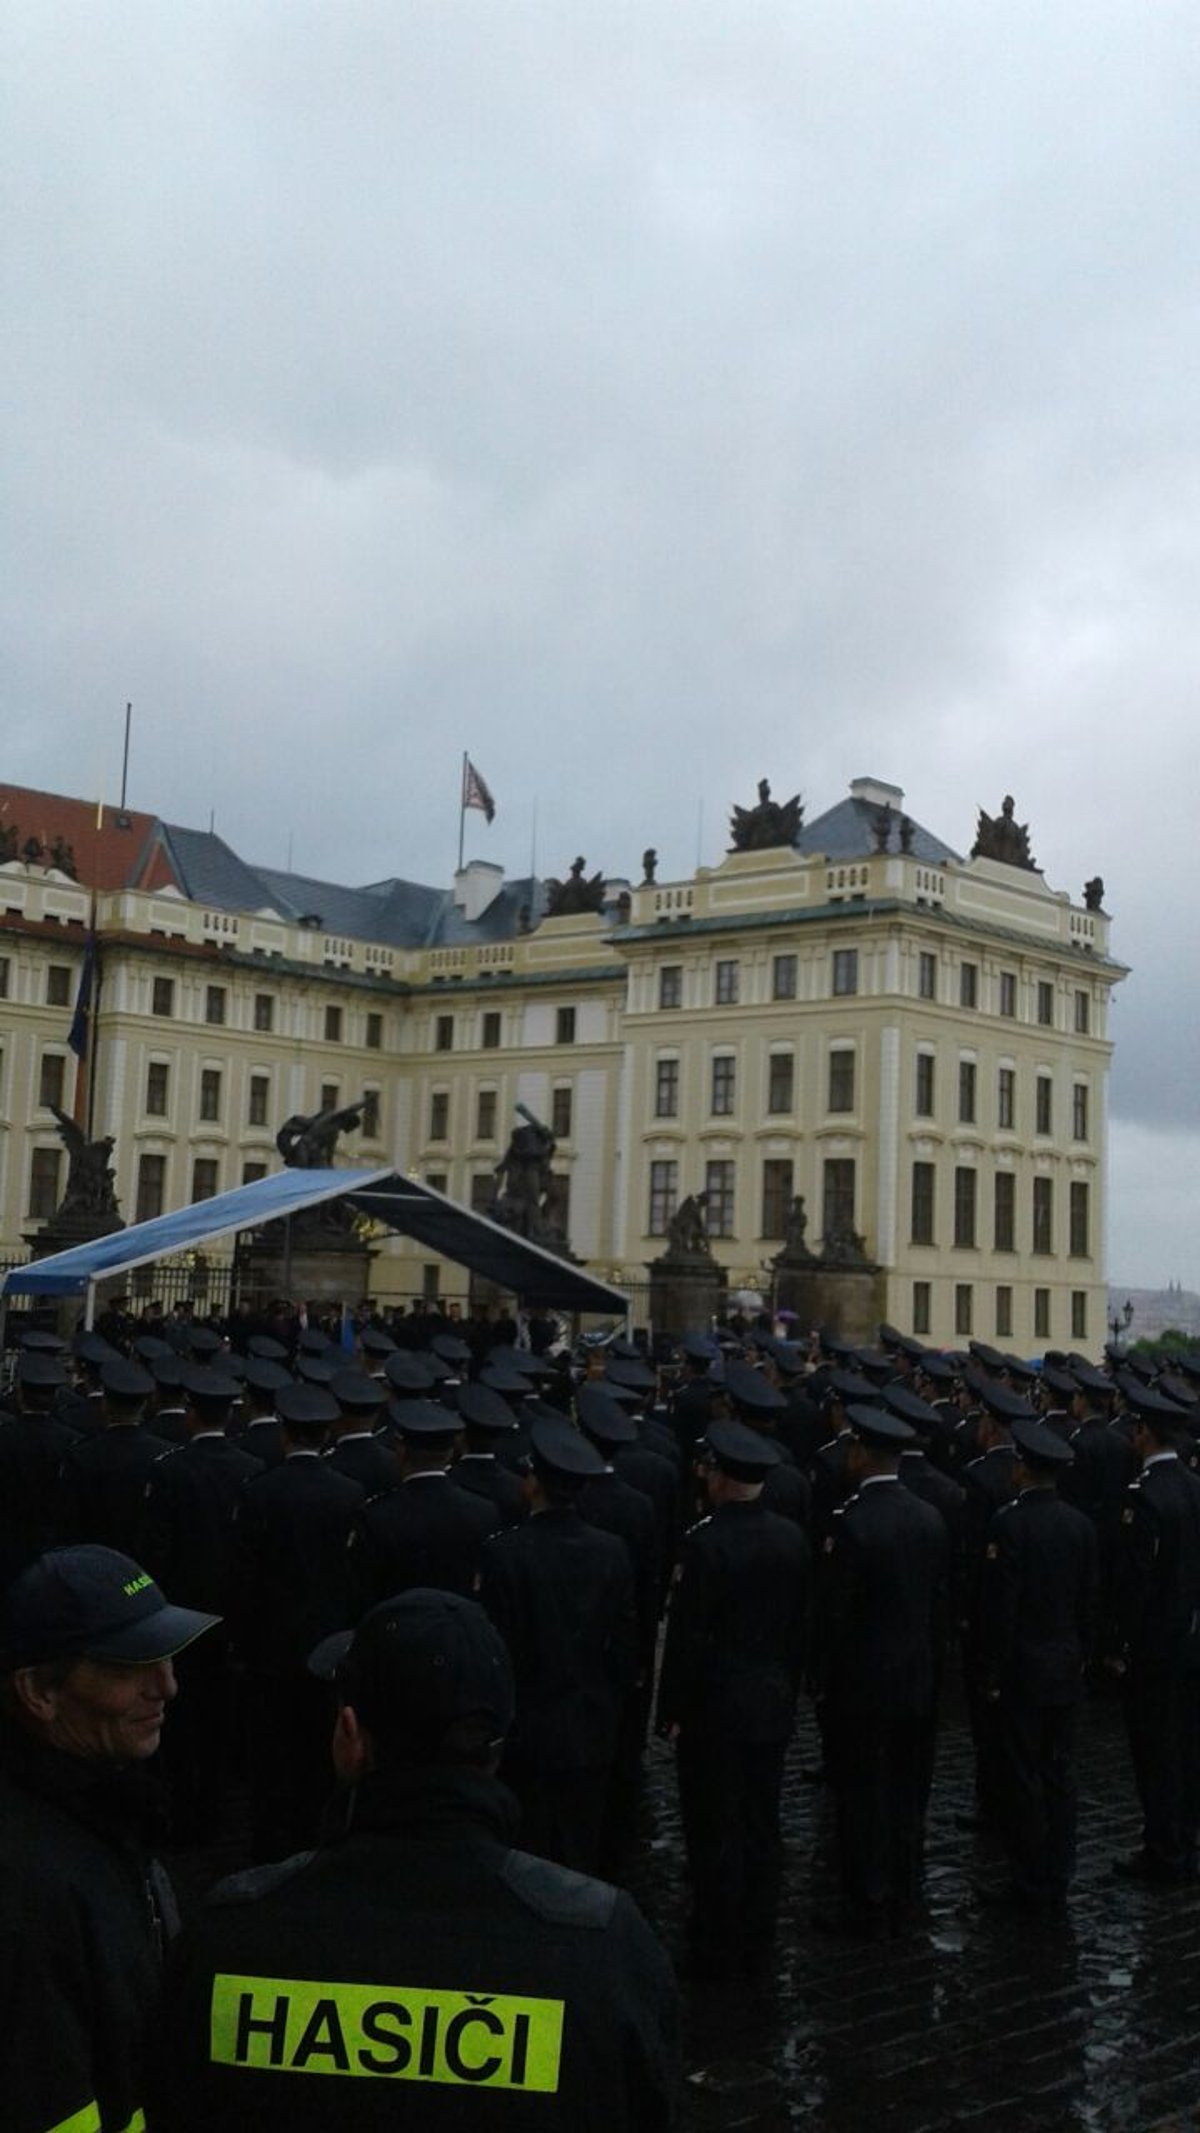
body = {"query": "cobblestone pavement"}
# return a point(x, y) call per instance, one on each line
point(974, 2020)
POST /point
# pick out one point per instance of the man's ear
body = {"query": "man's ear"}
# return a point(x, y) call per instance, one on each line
point(351, 1746)
point(37, 1696)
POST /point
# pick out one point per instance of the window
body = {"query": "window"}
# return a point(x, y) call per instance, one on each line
point(1079, 1304)
point(491, 1030)
point(214, 1003)
point(1041, 1314)
point(781, 1081)
point(1079, 1219)
point(968, 984)
point(1006, 1099)
point(927, 976)
point(162, 996)
point(964, 1307)
point(783, 977)
point(50, 1082)
point(204, 1178)
point(1045, 1003)
point(485, 1115)
point(718, 1211)
point(260, 1096)
point(564, 1026)
point(841, 1079)
point(1043, 1215)
point(437, 1180)
point(1004, 1312)
point(1004, 1211)
point(431, 1276)
point(925, 1085)
point(374, 1033)
point(252, 1172)
point(370, 1114)
point(1043, 1121)
point(43, 1183)
point(966, 1092)
point(443, 1033)
point(845, 971)
point(264, 1012)
point(725, 984)
point(776, 1195)
point(483, 1191)
point(923, 1185)
point(4, 977)
point(724, 1085)
point(837, 1218)
point(921, 1293)
point(58, 985)
point(1082, 1013)
point(151, 1187)
point(333, 1025)
point(666, 1088)
point(966, 1193)
point(439, 1115)
point(663, 1192)
point(158, 1078)
point(1008, 993)
point(670, 985)
point(210, 1094)
point(1079, 1111)
point(561, 1112)
point(329, 1096)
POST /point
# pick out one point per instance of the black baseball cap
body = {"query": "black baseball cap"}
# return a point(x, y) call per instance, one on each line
point(426, 1672)
point(92, 1603)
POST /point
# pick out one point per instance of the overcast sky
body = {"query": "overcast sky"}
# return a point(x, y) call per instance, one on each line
point(645, 397)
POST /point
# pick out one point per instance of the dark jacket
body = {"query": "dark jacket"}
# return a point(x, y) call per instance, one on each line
point(102, 1487)
point(426, 1532)
point(561, 1593)
point(1158, 1572)
point(880, 1602)
point(32, 1450)
point(187, 1523)
point(291, 1525)
point(734, 1653)
point(1038, 1599)
point(84, 1913)
point(471, 1984)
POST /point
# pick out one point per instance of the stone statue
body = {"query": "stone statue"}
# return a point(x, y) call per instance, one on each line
point(308, 1142)
point(883, 827)
point(528, 1197)
point(649, 866)
point(906, 833)
point(31, 851)
point(759, 829)
point(687, 1230)
point(795, 1246)
point(62, 857)
point(9, 843)
point(1002, 837)
point(91, 1181)
point(1093, 894)
point(844, 1247)
point(565, 899)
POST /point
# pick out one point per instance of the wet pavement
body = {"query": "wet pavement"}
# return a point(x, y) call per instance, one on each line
point(975, 2019)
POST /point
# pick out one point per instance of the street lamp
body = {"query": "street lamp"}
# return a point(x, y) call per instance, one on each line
point(1121, 1321)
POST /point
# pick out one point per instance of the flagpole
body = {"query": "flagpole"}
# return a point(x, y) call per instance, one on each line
point(462, 809)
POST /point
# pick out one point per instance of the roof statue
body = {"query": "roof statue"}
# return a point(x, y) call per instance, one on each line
point(91, 1181)
point(564, 899)
point(759, 829)
point(1093, 894)
point(308, 1142)
point(649, 866)
point(1001, 837)
point(883, 828)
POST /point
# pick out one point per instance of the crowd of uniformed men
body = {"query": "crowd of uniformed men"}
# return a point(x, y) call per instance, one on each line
point(806, 1516)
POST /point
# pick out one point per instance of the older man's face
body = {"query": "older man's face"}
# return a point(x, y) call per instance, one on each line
point(105, 1712)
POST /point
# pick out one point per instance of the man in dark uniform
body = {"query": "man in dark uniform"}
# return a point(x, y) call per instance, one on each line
point(187, 1543)
point(354, 1449)
point(1038, 1600)
point(988, 1481)
point(1158, 1613)
point(880, 1596)
point(691, 1405)
point(488, 1422)
point(102, 1485)
point(561, 1593)
point(291, 1526)
point(263, 1379)
point(424, 1532)
point(33, 1445)
point(1096, 1483)
point(617, 1507)
point(731, 1672)
point(465, 1985)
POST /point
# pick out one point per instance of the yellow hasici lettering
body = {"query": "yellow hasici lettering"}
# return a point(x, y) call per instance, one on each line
point(404, 2032)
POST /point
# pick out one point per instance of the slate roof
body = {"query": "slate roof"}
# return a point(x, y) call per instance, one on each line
point(847, 831)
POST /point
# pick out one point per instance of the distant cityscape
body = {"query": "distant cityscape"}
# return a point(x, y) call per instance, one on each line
point(1155, 1311)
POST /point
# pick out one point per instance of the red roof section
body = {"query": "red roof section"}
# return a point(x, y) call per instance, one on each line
point(111, 849)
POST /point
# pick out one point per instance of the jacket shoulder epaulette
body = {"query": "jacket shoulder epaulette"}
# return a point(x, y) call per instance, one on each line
point(557, 1893)
point(258, 1881)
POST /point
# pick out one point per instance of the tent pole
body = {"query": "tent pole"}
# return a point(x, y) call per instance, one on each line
point(89, 1309)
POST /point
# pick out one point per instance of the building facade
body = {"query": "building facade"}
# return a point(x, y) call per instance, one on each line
point(914, 1043)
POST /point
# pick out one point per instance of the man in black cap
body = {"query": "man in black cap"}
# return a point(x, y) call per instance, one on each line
point(86, 1645)
point(488, 1422)
point(561, 1593)
point(103, 1480)
point(988, 1481)
point(1038, 1601)
point(424, 1532)
point(33, 1445)
point(291, 1527)
point(731, 1672)
point(354, 1450)
point(880, 1595)
point(1158, 1614)
point(421, 1949)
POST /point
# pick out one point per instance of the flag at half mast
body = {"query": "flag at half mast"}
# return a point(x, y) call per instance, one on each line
point(475, 792)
